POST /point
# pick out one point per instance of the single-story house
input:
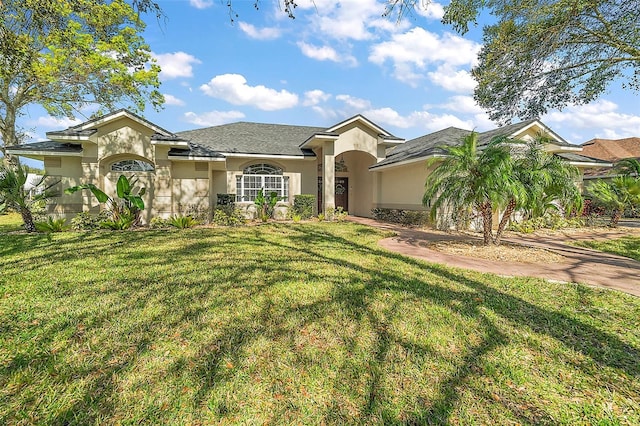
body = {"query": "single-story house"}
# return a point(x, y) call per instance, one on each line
point(609, 150)
point(354, 164)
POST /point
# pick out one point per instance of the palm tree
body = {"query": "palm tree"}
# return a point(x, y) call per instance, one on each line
point(472, 177)
point(618, 194)
point(546, 182)
point(629, 167)
point(14, 196)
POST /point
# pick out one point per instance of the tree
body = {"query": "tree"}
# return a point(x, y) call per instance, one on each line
point(544, 182)
point(618, 194)
point(13, 194)
point(549, 54)
point(470, 177)
point(628, 167)
point(67, 54)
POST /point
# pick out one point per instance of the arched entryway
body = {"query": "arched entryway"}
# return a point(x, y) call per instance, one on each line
point(353, 188)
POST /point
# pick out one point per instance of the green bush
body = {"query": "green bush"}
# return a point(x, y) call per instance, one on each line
point(548, 221)
point(403, 217)
point(85, 221)
point(226, 203)
point(159, 223)
point(182, 222)
point(222, 218)
point(52, 225)
point(303, 205)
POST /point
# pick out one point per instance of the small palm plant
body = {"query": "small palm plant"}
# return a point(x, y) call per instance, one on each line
point(13, 194)
point(125, 209)
point(618, 194)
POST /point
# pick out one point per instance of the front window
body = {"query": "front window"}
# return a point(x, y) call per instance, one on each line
point(132, 166)
point(261, 176)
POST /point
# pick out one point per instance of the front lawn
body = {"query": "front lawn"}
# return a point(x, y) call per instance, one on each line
point(298, 324)
point(626, 246)
point(10, 222)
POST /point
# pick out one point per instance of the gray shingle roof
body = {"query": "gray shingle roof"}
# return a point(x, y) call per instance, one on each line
point(253, 138)
point(48, 146)
point(570, 156)
point(194, 150)
point(427, 145)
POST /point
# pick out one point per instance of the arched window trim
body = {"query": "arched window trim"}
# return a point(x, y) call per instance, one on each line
point(263, 176)
point(132, 165)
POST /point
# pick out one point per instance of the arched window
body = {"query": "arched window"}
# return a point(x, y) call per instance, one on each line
point(132, 166)
point(263, 176)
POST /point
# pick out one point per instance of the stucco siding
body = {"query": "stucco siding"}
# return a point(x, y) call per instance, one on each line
point(402, 187)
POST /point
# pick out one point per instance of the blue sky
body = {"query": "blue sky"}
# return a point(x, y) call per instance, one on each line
point(335, 60)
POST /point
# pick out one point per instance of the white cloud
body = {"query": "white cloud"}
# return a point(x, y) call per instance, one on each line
point(259, 33)
point(418, 119)
point(172, 100)
point(54, 122)
point(353, 103)
point(201, 4)
point(453, 80)
point(598, 119)
point(466, 105)
point(212, 118)
point(233, 88)
point(174, 65)
point(315, 97)
point(325, 53)
point(430, 9)
point(413, 51)
point(349, 20)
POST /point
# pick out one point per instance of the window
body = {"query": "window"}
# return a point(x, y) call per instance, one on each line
point(261, 176)
point(132, 166)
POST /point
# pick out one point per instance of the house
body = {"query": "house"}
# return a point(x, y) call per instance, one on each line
point(610, 150)
point(354, 164)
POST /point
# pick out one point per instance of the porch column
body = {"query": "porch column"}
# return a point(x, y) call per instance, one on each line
point(328, 176)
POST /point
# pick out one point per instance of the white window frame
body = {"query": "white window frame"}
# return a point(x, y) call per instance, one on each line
point(133, 161)
point(247, 193)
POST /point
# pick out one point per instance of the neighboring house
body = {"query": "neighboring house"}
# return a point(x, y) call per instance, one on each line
point(354, 164)
point(610, 150)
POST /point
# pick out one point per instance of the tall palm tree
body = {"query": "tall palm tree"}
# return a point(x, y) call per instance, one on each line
point(480, 178)
point(14, 196)
point(618, 194)
point(546, 182)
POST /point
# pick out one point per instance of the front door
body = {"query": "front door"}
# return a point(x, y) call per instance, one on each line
point(341, 193)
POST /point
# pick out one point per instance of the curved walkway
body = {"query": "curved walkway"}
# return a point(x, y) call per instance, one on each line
point(580, 265)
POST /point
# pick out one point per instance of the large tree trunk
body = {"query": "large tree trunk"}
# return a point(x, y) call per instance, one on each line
point(505, 218)
point(487, 219)
point(27, 218)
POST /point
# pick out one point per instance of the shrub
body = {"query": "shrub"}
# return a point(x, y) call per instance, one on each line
point(548, 221)
point(303, 205)
point(182, 222)
point(159, 223)
point(226, 202)
point(52, 225)
point(221, 218)
point(403, 217)
point(85, 221)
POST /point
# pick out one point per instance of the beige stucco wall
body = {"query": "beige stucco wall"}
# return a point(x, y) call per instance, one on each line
point(402, 187)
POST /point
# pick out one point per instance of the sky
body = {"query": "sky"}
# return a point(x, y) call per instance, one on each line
point(335, 60)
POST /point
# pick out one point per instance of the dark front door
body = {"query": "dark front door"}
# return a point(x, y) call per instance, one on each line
point(342, 193)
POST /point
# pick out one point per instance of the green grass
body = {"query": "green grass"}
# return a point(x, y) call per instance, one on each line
point(298, 324)
point(10, 222)
point(626, 246)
